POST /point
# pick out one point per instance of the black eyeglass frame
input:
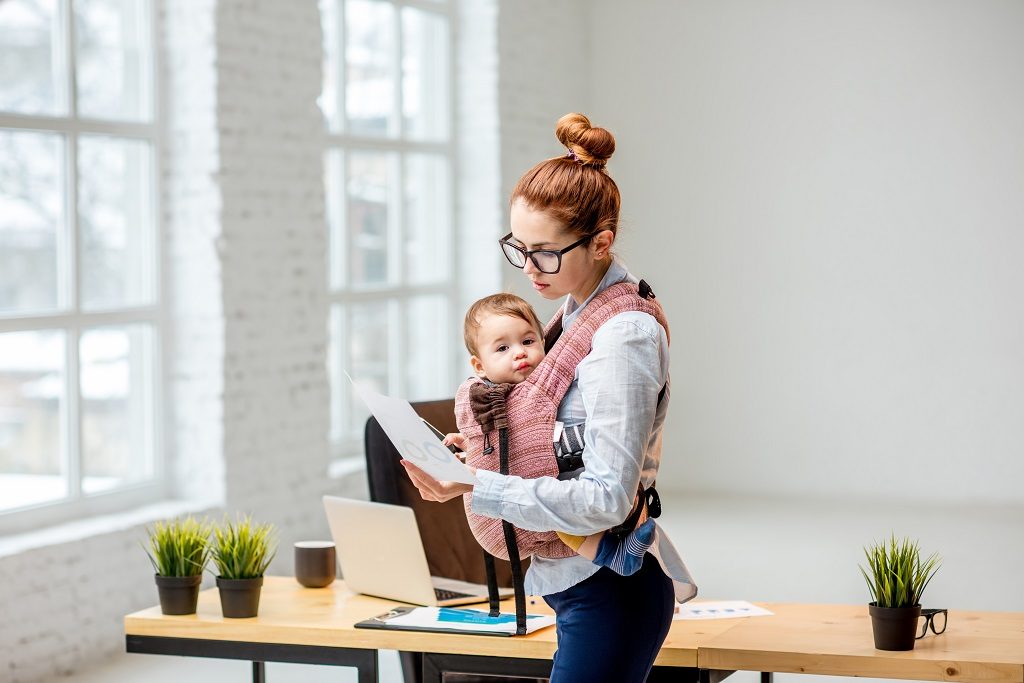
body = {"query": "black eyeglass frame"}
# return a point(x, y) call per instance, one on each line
point(528, 254)
point(929, 621)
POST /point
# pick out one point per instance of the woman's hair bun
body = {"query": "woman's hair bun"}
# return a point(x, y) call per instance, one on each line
point(591, 146)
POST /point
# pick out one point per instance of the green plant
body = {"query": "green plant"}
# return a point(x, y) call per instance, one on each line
point(180, 547)
point(898, 575)
point(242, 549)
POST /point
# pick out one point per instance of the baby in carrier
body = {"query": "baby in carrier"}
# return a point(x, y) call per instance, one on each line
point(505, 341)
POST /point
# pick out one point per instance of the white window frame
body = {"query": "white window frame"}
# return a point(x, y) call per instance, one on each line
point(350, 447)
point(73, 320)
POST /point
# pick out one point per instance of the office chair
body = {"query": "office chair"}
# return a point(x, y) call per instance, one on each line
point(449, 544)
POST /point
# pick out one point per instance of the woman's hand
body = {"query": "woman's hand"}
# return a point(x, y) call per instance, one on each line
point(432, 489)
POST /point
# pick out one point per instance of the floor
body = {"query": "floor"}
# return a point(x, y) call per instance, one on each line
point(744, 548)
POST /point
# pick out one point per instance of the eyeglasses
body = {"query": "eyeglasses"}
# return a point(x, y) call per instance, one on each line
point(548, 261)
point(934, 618)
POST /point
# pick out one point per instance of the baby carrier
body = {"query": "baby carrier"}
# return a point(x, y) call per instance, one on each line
point(488, 415)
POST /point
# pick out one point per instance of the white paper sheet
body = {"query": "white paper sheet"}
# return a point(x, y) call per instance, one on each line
point(413, 439)
point(462, 619)
point(721, 609)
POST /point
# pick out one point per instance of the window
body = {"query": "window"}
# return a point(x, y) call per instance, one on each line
point(387, 110)
point(79, 286)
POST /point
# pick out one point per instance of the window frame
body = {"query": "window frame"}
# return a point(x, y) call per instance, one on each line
point(349, 447)
point(70, 319)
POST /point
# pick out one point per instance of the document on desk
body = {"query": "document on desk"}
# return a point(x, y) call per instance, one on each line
point(721, 609)
point(454, 620)
point(413, 439)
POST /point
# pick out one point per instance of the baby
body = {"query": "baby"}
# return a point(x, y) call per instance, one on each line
point(505, 340)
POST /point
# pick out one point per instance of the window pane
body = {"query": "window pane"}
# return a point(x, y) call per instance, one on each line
point(32, 394)
point(115, 221)
point(370, 67)
point(330, 91)
point(371, 187)
point(425, 82)
point(369, 340)
point(428, 341)
point(334, 189)
point(32, 74)
point(112, 49)
point(31, 220)
point(428, 243)
point(117, 416)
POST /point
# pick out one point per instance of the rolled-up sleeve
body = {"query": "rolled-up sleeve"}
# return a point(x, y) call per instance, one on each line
point(619, 382)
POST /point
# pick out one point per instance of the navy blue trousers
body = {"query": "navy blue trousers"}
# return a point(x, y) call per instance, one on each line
point(610, 627)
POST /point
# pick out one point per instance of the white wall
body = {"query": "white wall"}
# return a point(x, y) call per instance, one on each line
point(828, 198)
point(544, 51)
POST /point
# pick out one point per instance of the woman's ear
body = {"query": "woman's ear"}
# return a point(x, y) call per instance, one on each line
point(602, 243)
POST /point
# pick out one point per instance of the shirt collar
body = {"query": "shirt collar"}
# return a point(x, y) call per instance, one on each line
point(616, 273)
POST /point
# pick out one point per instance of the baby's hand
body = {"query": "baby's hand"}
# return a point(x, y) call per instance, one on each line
point(457, 439)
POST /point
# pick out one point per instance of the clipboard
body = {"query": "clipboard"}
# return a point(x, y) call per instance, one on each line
point(401, 618)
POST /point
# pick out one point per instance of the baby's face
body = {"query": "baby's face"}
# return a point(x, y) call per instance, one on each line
point(508, 349)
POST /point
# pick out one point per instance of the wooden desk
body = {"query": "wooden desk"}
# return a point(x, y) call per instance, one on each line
point(836, 640)
point(315, 626)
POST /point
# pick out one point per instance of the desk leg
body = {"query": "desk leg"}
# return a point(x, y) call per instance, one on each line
point(259, 672)
point(367, 668)
point(719, 675)
point(767, 677)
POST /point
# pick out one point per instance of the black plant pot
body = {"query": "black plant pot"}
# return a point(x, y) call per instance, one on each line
point(239, 598)
point(894, 628)
point(178, 594)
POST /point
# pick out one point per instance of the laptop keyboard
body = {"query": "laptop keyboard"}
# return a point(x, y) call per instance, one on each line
point(443, 594)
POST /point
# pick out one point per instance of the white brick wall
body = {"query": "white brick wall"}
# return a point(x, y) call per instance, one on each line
point(273, 255)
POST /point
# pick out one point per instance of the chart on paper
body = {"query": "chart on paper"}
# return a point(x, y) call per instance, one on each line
point(412, 438)
point(722, 609)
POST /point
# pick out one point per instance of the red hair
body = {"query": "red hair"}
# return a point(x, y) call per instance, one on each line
point(575, 189)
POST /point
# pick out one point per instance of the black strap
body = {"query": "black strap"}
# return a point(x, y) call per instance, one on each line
point(511, 545)
point(492, 585)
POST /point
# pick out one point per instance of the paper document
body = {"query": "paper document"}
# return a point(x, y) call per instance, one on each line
point(450, 618)
point(412, 438)
point(722, 609)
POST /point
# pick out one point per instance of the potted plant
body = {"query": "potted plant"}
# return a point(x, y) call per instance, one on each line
point(242, 552)
point(896, 577)
point(179, 551)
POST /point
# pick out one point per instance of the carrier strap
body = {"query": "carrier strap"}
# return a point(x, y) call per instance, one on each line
point(513, 547)
point(492, 585)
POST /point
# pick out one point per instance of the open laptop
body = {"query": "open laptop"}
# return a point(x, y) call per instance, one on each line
point(381, 553)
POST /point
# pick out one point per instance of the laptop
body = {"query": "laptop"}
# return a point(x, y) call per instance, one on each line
point(381, 554)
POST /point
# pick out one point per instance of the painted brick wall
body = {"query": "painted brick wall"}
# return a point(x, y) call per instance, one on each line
point(273, 250)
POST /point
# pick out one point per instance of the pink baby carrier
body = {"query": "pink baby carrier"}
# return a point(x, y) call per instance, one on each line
point(510, 428)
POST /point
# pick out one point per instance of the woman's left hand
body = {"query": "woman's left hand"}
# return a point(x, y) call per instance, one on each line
point(432, 489)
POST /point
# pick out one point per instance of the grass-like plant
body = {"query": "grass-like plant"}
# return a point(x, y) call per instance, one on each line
point(180, 547)
point(896, 575)
point(243, 549)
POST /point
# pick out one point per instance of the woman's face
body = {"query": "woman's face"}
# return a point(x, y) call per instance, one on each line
point(582, 268)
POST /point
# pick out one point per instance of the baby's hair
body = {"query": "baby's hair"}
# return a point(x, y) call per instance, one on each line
point(497, 304)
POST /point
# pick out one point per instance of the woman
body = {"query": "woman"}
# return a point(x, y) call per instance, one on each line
point(564, 217)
